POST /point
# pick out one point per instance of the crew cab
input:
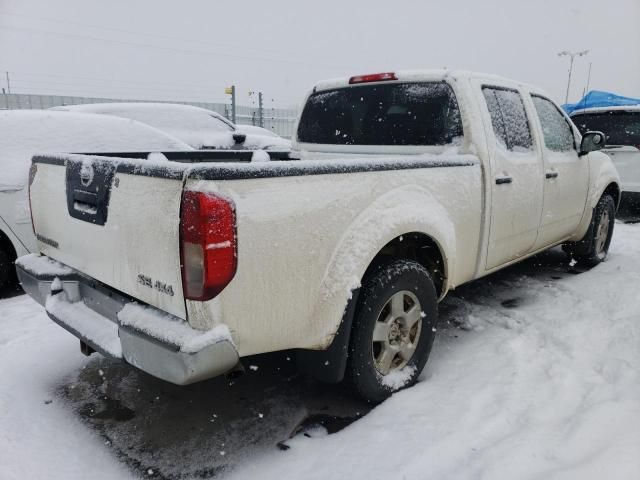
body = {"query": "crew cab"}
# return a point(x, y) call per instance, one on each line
point(403, 186)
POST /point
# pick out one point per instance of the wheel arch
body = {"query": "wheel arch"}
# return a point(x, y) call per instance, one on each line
point(408, 223)
point(7, 245)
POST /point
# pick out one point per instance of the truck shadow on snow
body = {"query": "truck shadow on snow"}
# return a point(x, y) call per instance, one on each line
point(165, 431)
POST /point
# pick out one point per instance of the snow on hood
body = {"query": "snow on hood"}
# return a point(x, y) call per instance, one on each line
point(27, 132)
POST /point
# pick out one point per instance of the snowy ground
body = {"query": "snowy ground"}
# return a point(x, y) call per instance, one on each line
point(535, 374)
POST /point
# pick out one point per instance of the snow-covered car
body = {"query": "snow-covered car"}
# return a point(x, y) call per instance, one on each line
point(404, 186)
point(621, 126)
point(24, 133)
point(198, 127)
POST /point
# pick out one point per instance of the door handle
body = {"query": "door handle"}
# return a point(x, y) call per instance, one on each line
point(551, 174)
point(503, 180)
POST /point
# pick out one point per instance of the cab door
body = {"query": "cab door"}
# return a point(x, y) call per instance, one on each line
point(517, 171)
point(566, 176)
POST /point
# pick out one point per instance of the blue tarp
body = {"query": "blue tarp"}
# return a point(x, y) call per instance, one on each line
point(596, 98)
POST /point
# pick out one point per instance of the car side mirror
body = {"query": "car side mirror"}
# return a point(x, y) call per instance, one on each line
point(591, 141)
point(239, 137)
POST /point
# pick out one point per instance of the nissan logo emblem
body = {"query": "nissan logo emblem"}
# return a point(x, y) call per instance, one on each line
point(86, 174)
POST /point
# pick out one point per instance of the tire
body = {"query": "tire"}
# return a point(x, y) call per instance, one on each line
point(594, 247)
point(398, 304)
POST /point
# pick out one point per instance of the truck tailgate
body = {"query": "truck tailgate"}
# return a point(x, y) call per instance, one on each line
point(114, 220)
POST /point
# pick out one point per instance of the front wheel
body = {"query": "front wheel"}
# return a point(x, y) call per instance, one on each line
point(594, 247)
point(393, 330)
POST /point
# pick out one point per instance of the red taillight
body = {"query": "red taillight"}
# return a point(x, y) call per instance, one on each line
point(208, 244)
point(373, 77)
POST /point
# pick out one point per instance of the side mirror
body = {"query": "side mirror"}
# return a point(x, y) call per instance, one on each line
point(591, 141)
point(239, 137)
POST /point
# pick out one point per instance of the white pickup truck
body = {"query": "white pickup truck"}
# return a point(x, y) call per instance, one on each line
point(405, 185)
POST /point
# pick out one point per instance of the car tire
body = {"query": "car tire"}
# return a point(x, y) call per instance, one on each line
point(393, 330)
point(594, 247)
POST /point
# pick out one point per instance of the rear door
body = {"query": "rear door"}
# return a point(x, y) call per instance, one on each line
point(116, 221)
point(566, 177)
point(517, 169)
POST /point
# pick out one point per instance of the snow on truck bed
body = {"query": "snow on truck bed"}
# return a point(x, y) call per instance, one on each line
point(542, 382)
point(258, 167)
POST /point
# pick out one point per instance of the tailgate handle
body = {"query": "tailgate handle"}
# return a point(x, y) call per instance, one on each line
point(85, 202)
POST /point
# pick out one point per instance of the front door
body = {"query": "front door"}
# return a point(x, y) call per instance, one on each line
point(566, 178)
point(516, 183)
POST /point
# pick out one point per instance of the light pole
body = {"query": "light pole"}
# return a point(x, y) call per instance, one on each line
point(572, 55)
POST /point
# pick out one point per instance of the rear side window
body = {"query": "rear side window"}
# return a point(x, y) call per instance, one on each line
point(619, 127)
point(558, 135)
point(382, 114)
point(508, 118)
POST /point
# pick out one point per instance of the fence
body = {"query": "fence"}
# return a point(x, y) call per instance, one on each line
point(278, 120)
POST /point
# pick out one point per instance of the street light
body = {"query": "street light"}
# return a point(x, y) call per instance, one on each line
point(572, 55)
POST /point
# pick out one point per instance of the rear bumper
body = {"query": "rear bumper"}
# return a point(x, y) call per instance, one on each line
point(89, 310)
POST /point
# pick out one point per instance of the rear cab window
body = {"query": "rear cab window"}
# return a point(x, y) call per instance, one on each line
point(396, 114)
point(620, 127)
point(508, 118)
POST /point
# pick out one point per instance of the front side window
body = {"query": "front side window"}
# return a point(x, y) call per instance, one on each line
point(508, 118)
point(619, 127)
point(557, 133)
point(382, 114)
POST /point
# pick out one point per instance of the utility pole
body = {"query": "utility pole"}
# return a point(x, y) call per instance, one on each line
point(8, 83)
point(572, 56)
point(260, 111)
point(588, 78)
point(232, 91)
point(233, 104)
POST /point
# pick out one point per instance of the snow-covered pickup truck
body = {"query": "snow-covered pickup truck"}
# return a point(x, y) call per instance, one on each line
point(405, 186)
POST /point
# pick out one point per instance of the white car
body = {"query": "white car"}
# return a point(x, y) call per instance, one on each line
point(621, 126)
point(24, 133)
point(199, 127)
point(409, 185)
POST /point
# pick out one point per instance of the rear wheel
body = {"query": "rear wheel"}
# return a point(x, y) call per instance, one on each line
point(393, 330)
point(594, 247)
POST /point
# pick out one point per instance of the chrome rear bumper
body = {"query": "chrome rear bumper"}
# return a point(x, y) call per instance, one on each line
point(89, 310)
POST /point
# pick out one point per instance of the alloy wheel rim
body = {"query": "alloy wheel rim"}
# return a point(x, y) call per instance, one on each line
point(602, 233)
point(396, 332)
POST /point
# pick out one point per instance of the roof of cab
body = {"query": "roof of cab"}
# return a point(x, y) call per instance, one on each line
point(425, 75)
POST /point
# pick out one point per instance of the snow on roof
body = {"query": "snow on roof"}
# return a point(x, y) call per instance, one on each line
point(155, 113)
point(426, 75)
point(619, 108)
point(196, 126)
point(27, 132)
point(199, 127)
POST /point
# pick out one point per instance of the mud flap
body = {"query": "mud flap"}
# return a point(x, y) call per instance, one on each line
point(329, 365)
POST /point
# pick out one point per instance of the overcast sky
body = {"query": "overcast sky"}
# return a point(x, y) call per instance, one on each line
point(192, 49)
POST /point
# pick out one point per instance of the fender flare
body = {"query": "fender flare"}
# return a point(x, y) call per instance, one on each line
point(602, 174)
point(409, 209)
